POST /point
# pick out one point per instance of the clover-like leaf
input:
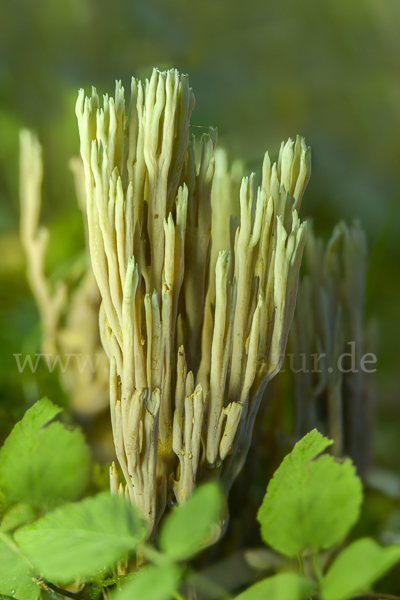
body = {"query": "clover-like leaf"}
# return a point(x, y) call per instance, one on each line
point(150, 583)
point(17, 515)
point(42, 463)
point(187, 528)
point(357, 567)
point(78, 539)
point(285, 586)
point(311, 502)
point(14, 572)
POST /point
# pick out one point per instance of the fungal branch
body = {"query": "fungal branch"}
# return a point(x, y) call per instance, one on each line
point(68, 314)
point(328, 327)
point(193, 330)
point(35, 240)
point(267, 256)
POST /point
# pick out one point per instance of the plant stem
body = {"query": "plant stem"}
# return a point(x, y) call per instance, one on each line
point(316, 561)
point(63, 592)
point(154, 555)
point(302, 571)
point(301, 565)
point(116, 578)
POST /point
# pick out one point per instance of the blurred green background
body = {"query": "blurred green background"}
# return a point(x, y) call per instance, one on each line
point(261, 71)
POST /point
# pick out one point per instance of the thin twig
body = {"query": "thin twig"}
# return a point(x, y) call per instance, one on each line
point(65, 593)
point(49, 587)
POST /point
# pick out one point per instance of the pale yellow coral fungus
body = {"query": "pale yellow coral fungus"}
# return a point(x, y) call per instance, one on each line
point(329, 343)
point(193, 338)
point(69, 320)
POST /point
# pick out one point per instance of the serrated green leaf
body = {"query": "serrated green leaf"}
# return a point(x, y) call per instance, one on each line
point(308, 448)
point(19, 585)
point(186, 529)
point(151, 583)
point(310, 504)
point(43, 464)
point(285, 586)
point(17, 515)
point(356, 568)
point(42, 412)
point(79, 539)
point(14, 569)
point(10, 558)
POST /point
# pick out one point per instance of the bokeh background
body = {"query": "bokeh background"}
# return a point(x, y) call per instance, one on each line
point(261, 71)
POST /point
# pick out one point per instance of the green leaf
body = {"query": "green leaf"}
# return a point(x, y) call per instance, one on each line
point(19, 585)
point(311, 503)
point(3, 502)
point(10, 558)
point(14, 580)
point(187, 529)
point(16, 516)
point(79, 539)
point(43, 464)
point(285, 586)
point(151, 583)
point(357, 567)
